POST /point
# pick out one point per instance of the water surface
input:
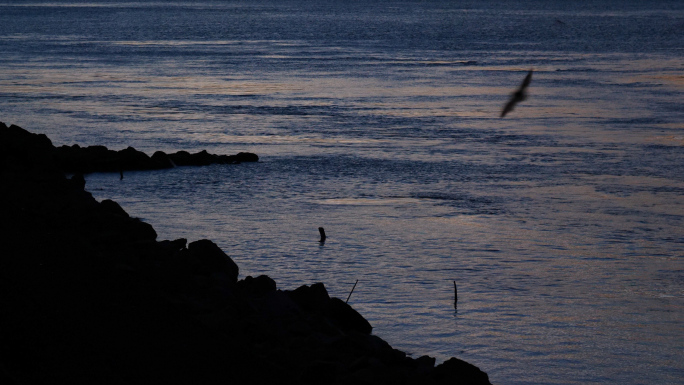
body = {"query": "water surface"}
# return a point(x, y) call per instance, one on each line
point(561, 223)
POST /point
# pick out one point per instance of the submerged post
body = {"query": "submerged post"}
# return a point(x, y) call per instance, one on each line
point(322, 232)
point(455, 295)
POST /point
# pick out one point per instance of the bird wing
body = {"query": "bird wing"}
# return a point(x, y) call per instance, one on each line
point(508, 107)
point(526, 82)
point(518, 96)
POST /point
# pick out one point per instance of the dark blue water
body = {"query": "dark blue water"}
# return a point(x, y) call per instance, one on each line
point(561, 223)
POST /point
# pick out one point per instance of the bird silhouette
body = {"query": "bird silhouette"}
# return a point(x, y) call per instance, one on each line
point(518, 96)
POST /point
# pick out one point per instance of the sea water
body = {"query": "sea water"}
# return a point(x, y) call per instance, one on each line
point(562, 224)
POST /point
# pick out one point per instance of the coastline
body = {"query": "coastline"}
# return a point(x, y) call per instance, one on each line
point(90, 295)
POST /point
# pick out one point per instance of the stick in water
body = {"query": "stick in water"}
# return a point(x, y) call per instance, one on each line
point(455, 295)
point(322, 232)
point(352, 290)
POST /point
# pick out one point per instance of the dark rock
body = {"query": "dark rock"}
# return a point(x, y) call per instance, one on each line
point(162, 160)
point(321, 372)
point(86, 286)
point(112, 207)
point(226, 159)
point(314, 297)
point(86, 159)
point(212, 259)
point(181, 158)
point(455, 371)
point(202, 158)
point(142, 231)
point(115, 229)
point(257, 287)
point(132, 159)
point(184, 158)
point(26, 151)
point(175, 245)
point(246, 157)
point(78, 181)
point(345, 317)
point(425, 362)
point(101, 159)
point(279, 305)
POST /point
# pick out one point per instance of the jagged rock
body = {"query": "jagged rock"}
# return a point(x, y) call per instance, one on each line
point(455, 371)
point(212, 259)
point(86, 286)
point(162, 160)
point(181, 158)
point(245, 157)
point(184, 158)
point(25, 151)
point(314, 297)
point(321, 372)
point(132, 159)
point(345, 317)
point(426, 363)
point(101, 159)
point(112, 207)
point(175, 245)
point(78, 181)
point(279, 305)
point(116, 229)
point(257, 287)
point(87, 159)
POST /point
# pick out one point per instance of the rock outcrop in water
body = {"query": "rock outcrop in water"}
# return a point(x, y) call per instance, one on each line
point(89, 159)
point(89, 295)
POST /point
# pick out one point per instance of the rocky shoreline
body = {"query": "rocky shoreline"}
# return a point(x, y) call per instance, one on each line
point(77, 159)
point(90, 296)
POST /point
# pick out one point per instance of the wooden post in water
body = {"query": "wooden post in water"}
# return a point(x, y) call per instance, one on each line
point(455, 295)
point(352, 290)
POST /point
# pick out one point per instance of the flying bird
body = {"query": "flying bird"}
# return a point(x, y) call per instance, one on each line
point(518, 96)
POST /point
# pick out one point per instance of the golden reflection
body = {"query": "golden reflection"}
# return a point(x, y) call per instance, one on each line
point(672, 79)
point(669, 140)
point(286, 139)
point(370, 201)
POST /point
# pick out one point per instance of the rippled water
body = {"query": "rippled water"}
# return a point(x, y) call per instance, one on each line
point(562, 223)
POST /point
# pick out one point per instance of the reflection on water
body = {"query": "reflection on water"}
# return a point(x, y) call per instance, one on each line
point(561, 223)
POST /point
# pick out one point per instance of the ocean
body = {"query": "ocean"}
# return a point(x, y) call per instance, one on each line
point(562, 224)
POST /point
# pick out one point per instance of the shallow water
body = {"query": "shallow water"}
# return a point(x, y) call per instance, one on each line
point(561, 223)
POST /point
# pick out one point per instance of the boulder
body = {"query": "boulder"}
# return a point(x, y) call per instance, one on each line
point(78, 181)
point(202, 158)
point(175, 245)
point(212, 259)
point(132, 159)
point(246, 157)
point(162, 160)
point(455, 371)
point(314, 297)
point(111, 207)
point(345, 317)
point(180, 158)
point(321, 372)
point(184, 158)
point(257, 287)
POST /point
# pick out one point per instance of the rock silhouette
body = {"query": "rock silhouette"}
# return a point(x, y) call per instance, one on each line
point(89, 159)
point(89, 295)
